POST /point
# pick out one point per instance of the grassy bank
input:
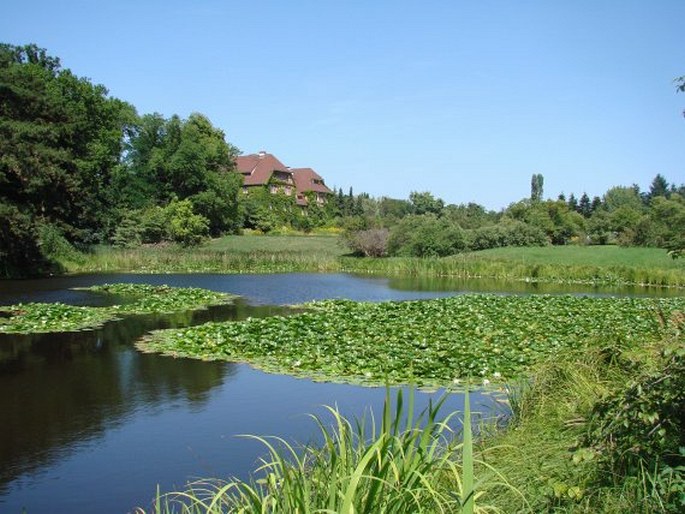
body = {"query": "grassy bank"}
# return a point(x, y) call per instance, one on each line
point(596, 265)
point(600, 431)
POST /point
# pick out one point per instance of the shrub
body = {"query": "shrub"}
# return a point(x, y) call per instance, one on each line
point(370, 243)
point(426, 236)
point(186, 227)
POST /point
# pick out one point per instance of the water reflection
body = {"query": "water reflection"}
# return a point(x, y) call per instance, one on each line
point(446, 284)
point(64, 389)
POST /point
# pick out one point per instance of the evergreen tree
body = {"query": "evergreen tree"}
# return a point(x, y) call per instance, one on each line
point(584, 206)
point(659, 187)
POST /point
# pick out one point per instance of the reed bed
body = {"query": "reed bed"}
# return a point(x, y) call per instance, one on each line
point(563, 267)
point(407, 464)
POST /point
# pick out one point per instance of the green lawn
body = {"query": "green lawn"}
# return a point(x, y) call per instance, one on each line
point(584, 255)
point(312, 244)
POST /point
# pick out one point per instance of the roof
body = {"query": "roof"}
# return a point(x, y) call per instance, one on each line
point(258, 168)
point(306, 179)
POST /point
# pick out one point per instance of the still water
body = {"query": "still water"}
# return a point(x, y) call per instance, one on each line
point(88, 424)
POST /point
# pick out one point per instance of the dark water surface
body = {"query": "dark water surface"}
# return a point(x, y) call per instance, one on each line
point(89, 424)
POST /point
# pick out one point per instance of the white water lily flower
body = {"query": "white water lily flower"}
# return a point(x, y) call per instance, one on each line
point(456, 381)
point(497, 374)
point(297, 363)
point(486, 382)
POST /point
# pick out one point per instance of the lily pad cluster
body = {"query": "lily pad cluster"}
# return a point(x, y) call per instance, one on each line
point(429, 342)
point(135, 298)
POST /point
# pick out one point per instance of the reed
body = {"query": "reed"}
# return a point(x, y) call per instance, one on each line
point(253, 254)
point(402, 464)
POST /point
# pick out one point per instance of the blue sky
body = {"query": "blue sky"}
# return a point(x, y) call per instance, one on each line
point(465, 99)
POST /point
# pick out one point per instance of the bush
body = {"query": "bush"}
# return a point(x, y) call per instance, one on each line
point(55, 246)
point(426, 236)
point(369, 243)
point(186, 227)
point(513, 233)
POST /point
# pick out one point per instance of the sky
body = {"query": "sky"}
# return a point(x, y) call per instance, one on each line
point(464, 99)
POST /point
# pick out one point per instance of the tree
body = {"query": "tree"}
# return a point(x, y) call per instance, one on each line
point(183, 159)
point(425, 203)
point(536, 187)
point(585, 206)
point(658, 187)
point(61, 139)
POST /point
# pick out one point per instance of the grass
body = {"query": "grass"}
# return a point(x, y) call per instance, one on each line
point(601, 256)
point(322, 245)
point(594, 265)
point(407, 464)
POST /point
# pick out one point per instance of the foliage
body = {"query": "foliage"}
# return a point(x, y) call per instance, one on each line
point(186, 227)
point(136, 299)
point(574, 418)
point(428, 342)
point(425, 203)
point(511, 233)
point(61, 139)
point(20, 251)
point(641, 426)
point(426, 236)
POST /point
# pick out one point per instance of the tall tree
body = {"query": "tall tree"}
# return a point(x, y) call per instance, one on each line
point(61, 139)
point(536, 187)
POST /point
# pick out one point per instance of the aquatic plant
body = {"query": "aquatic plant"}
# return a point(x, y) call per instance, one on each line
point(136, 299)
point(429, 342)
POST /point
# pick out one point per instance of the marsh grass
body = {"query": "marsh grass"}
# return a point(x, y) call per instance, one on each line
point(406, 464)
point(280, 254)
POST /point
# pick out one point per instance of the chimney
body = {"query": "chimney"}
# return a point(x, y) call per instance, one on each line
point(262, 154)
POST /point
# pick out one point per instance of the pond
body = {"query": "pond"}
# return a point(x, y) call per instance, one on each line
point(90, 424)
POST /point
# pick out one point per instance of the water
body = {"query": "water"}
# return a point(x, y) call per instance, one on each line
point(89, 424)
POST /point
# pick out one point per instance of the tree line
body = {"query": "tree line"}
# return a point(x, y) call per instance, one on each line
point(79, 167)
point(424, 226)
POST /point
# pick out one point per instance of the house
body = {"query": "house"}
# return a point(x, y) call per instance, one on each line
point(309, 184)
point(265, 170)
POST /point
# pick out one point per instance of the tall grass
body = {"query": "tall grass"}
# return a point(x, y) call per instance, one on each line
point(407, 464)
point(274, 254)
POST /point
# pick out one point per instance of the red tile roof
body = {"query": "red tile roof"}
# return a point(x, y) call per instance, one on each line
point(258, 168)
point(306, 179)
